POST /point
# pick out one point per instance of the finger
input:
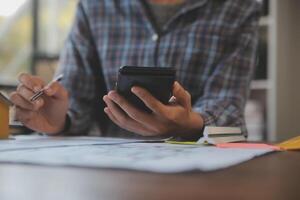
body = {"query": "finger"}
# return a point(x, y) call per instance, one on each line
point(151, 102)
point(181, 95)
point(132, 112)
point(111, 116)
point(135, 129)
point(27, 94)
point(19, 101)
point(55, 89)
point(23, 115)
point(122, 117)
point(32, 82)
point(148, 121)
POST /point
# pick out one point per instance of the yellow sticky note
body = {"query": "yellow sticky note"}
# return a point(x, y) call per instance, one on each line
point(292, 144)
point(178, 142)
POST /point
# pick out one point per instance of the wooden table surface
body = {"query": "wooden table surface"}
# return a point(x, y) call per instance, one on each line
point(274, 176)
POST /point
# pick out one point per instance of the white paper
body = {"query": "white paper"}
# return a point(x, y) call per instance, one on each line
point(38, 142)
point(159, 157)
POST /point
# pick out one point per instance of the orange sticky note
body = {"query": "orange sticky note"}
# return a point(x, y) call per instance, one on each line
point(248, 146)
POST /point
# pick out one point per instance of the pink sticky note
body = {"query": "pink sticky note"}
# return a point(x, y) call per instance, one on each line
point(248, 146)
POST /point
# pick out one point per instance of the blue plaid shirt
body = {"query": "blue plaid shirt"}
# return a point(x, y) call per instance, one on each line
point(211, 43)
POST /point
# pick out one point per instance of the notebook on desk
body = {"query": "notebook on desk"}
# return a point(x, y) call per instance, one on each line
point(218, 135)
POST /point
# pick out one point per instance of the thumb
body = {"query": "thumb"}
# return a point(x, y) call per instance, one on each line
point(182, 96)
point(55, 89)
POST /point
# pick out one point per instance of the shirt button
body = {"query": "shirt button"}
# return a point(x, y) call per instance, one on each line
point(155, 37)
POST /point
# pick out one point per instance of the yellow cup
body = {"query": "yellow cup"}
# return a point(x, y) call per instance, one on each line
point(4, 120)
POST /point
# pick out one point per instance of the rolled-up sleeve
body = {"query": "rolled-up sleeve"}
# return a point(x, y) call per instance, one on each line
point(226, 90)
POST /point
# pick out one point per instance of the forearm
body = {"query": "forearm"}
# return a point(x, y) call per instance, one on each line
point(77, 62)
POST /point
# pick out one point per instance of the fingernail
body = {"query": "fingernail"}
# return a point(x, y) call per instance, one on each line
point(112, 92)
point(106, 110)
point(36, 88)
point(112, 95)
point(134, 90)
point(49, 89)
point(105, 98)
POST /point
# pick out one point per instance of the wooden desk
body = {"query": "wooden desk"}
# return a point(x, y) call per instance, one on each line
point(275, 176)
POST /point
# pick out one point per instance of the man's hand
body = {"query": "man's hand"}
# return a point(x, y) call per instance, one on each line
point(46, 114)
point(175, 119)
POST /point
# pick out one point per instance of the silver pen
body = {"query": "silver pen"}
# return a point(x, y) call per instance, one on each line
point(41, 92)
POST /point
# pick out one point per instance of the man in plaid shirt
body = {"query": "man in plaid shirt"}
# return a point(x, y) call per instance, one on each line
point(211, 43)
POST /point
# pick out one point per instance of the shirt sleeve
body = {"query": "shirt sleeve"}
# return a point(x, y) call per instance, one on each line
point(76, 62)
point(226, 90)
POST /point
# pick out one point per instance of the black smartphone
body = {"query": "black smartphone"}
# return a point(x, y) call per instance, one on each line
point(157, 80)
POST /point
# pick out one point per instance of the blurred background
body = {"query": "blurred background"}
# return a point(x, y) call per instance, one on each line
point(32, 34)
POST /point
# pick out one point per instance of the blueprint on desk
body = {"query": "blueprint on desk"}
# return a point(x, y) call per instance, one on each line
point(122, 154)
point(31, 142)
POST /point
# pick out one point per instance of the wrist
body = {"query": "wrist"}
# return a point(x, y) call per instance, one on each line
point(196, 122)
point(63, 127)
point(193, 128)
point(67, 124)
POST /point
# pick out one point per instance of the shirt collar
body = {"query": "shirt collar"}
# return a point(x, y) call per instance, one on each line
point(190, 5)
point(193, 4)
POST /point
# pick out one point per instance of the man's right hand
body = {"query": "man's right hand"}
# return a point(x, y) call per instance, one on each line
point(48, 113)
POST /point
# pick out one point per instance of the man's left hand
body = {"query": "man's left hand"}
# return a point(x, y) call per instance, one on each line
point(175, 119)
